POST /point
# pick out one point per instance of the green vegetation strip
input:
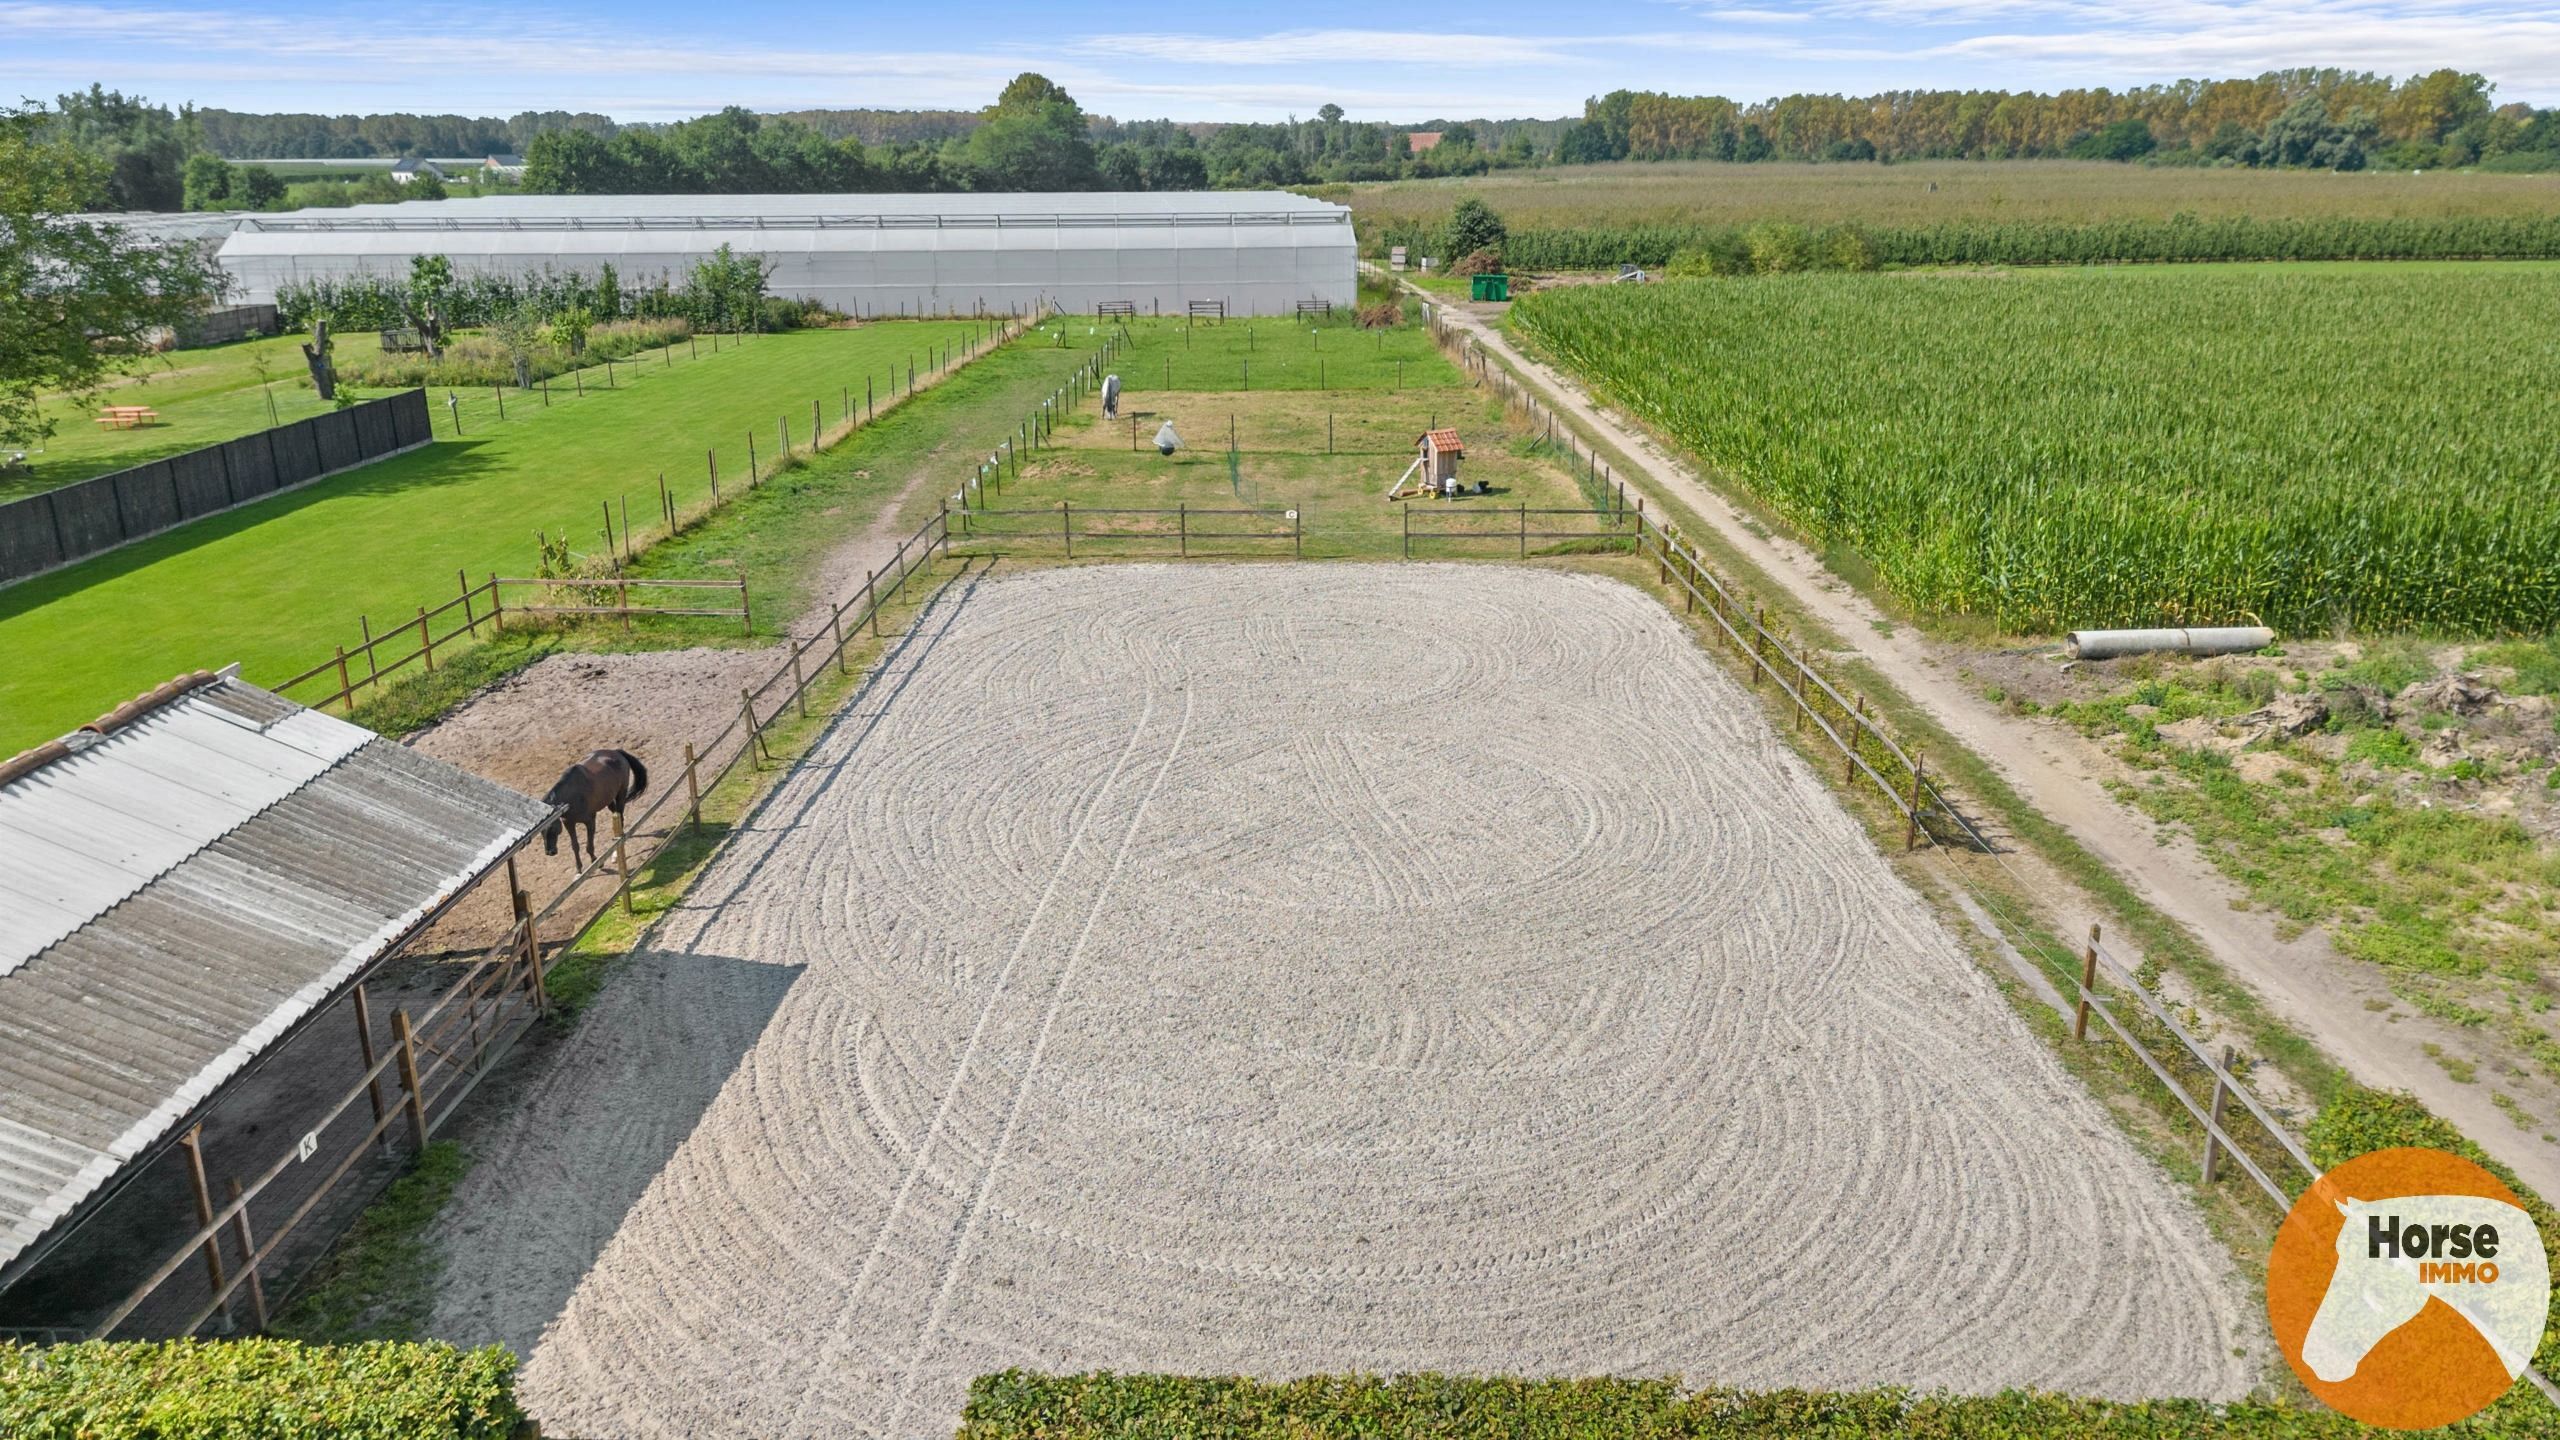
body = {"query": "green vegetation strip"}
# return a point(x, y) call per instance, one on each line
point(2182, 238)
point(275, 585)
point(2180, 459)
point(1017, 1405)
point(257, 1390)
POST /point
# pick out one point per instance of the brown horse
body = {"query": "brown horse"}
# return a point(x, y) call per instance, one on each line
point(605, 780)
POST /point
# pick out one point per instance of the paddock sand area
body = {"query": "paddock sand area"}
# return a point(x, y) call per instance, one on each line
point(1288, 969)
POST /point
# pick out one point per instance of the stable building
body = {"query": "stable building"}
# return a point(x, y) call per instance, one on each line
point(1250, 252)
point(186, 886)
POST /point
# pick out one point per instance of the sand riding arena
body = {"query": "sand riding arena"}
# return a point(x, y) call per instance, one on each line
point(1288, 969)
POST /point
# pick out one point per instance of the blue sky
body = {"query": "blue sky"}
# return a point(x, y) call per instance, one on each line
point(660, 59)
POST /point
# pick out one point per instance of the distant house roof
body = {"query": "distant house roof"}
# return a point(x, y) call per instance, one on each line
point(506, 162)
point(410, 168)
point(1421, 140)
point(181, 884)
point(1443, 440)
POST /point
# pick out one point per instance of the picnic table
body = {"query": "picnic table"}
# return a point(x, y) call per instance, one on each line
point(125, 417)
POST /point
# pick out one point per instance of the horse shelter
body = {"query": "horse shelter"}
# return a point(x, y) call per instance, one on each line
point(189, 887)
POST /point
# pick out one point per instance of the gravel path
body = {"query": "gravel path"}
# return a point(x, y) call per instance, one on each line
point(1304, 968)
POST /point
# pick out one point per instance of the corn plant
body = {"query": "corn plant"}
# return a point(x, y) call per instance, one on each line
point(2064, 449)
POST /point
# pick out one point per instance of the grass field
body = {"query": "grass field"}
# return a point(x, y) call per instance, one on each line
point(275, 585)
point(1325, 445)
point(203, 396)
point(1934, 192)
point(2056, 450)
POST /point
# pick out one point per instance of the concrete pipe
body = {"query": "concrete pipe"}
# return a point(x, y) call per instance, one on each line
point(2108, 644)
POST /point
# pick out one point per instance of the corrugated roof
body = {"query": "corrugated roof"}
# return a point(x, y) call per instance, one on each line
point(186, 889)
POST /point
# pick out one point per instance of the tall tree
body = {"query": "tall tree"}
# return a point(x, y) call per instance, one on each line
point(78, 296)
point(1033, 138)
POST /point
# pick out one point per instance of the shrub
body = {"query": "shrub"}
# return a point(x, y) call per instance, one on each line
point(1472, 227)
point(1017, 1405)
point(479, 361)
point(257, 1390)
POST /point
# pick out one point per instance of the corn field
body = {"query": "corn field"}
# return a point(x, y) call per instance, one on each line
point(2370, 450)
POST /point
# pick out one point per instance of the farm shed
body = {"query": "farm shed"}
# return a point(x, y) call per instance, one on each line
point(184, 884)
point(1258, 252)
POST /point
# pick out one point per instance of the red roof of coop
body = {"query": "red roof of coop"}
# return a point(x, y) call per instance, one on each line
point(1445, 441)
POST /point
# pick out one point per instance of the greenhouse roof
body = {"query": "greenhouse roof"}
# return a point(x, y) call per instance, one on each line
point(616, 212)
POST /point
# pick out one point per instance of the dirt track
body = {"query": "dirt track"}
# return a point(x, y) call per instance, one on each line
point(1289, 969)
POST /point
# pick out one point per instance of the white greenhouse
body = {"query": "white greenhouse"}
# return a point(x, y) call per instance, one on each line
point(1255, 252)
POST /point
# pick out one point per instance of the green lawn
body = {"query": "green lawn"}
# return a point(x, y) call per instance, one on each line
point(275, 585)
point(203, 396)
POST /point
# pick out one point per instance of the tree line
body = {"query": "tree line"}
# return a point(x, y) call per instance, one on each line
point(1037, 137)
point(2333, 119)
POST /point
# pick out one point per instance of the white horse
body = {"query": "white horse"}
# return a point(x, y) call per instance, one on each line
point(2370, 1295)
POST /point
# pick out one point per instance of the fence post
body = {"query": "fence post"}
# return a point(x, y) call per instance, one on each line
point(1297, 532)
point(1849, 767)
point(364, 1043)
point(416, 1104)
point(799, 686)
point(1182, 525)
point(193, 1143)
point(528, 943)
point(346, 687)
point(621, 862)
point(1524, 531)
point(1759, 634)
point(835, 632)
point(248, 1258)
point(426, 640)
point(1407, 513)
point(712, 459)
point(746, 612)
point(755, 733)
point(470, 622)
point(2088, 982)
point(1067, 525)
point(692, 791)
point(871, 600)
point(2213, 1148)
point(1911, 825)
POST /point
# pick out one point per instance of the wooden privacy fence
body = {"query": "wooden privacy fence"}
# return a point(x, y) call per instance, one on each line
point(90, 517)
point(1184, 528)
point(336, 681)
point(438, 1054)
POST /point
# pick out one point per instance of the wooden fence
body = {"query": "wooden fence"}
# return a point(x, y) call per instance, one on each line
point(437, 1055)
point(1180, 528)
point(1510, 526)
point(415, 641)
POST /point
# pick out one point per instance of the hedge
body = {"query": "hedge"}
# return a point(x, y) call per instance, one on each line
point(257, 1390)
point(1017, 1405)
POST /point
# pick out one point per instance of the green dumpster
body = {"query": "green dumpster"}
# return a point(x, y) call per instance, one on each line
point(1491, 287)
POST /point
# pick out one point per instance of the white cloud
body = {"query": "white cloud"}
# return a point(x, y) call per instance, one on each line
point(484, 60)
